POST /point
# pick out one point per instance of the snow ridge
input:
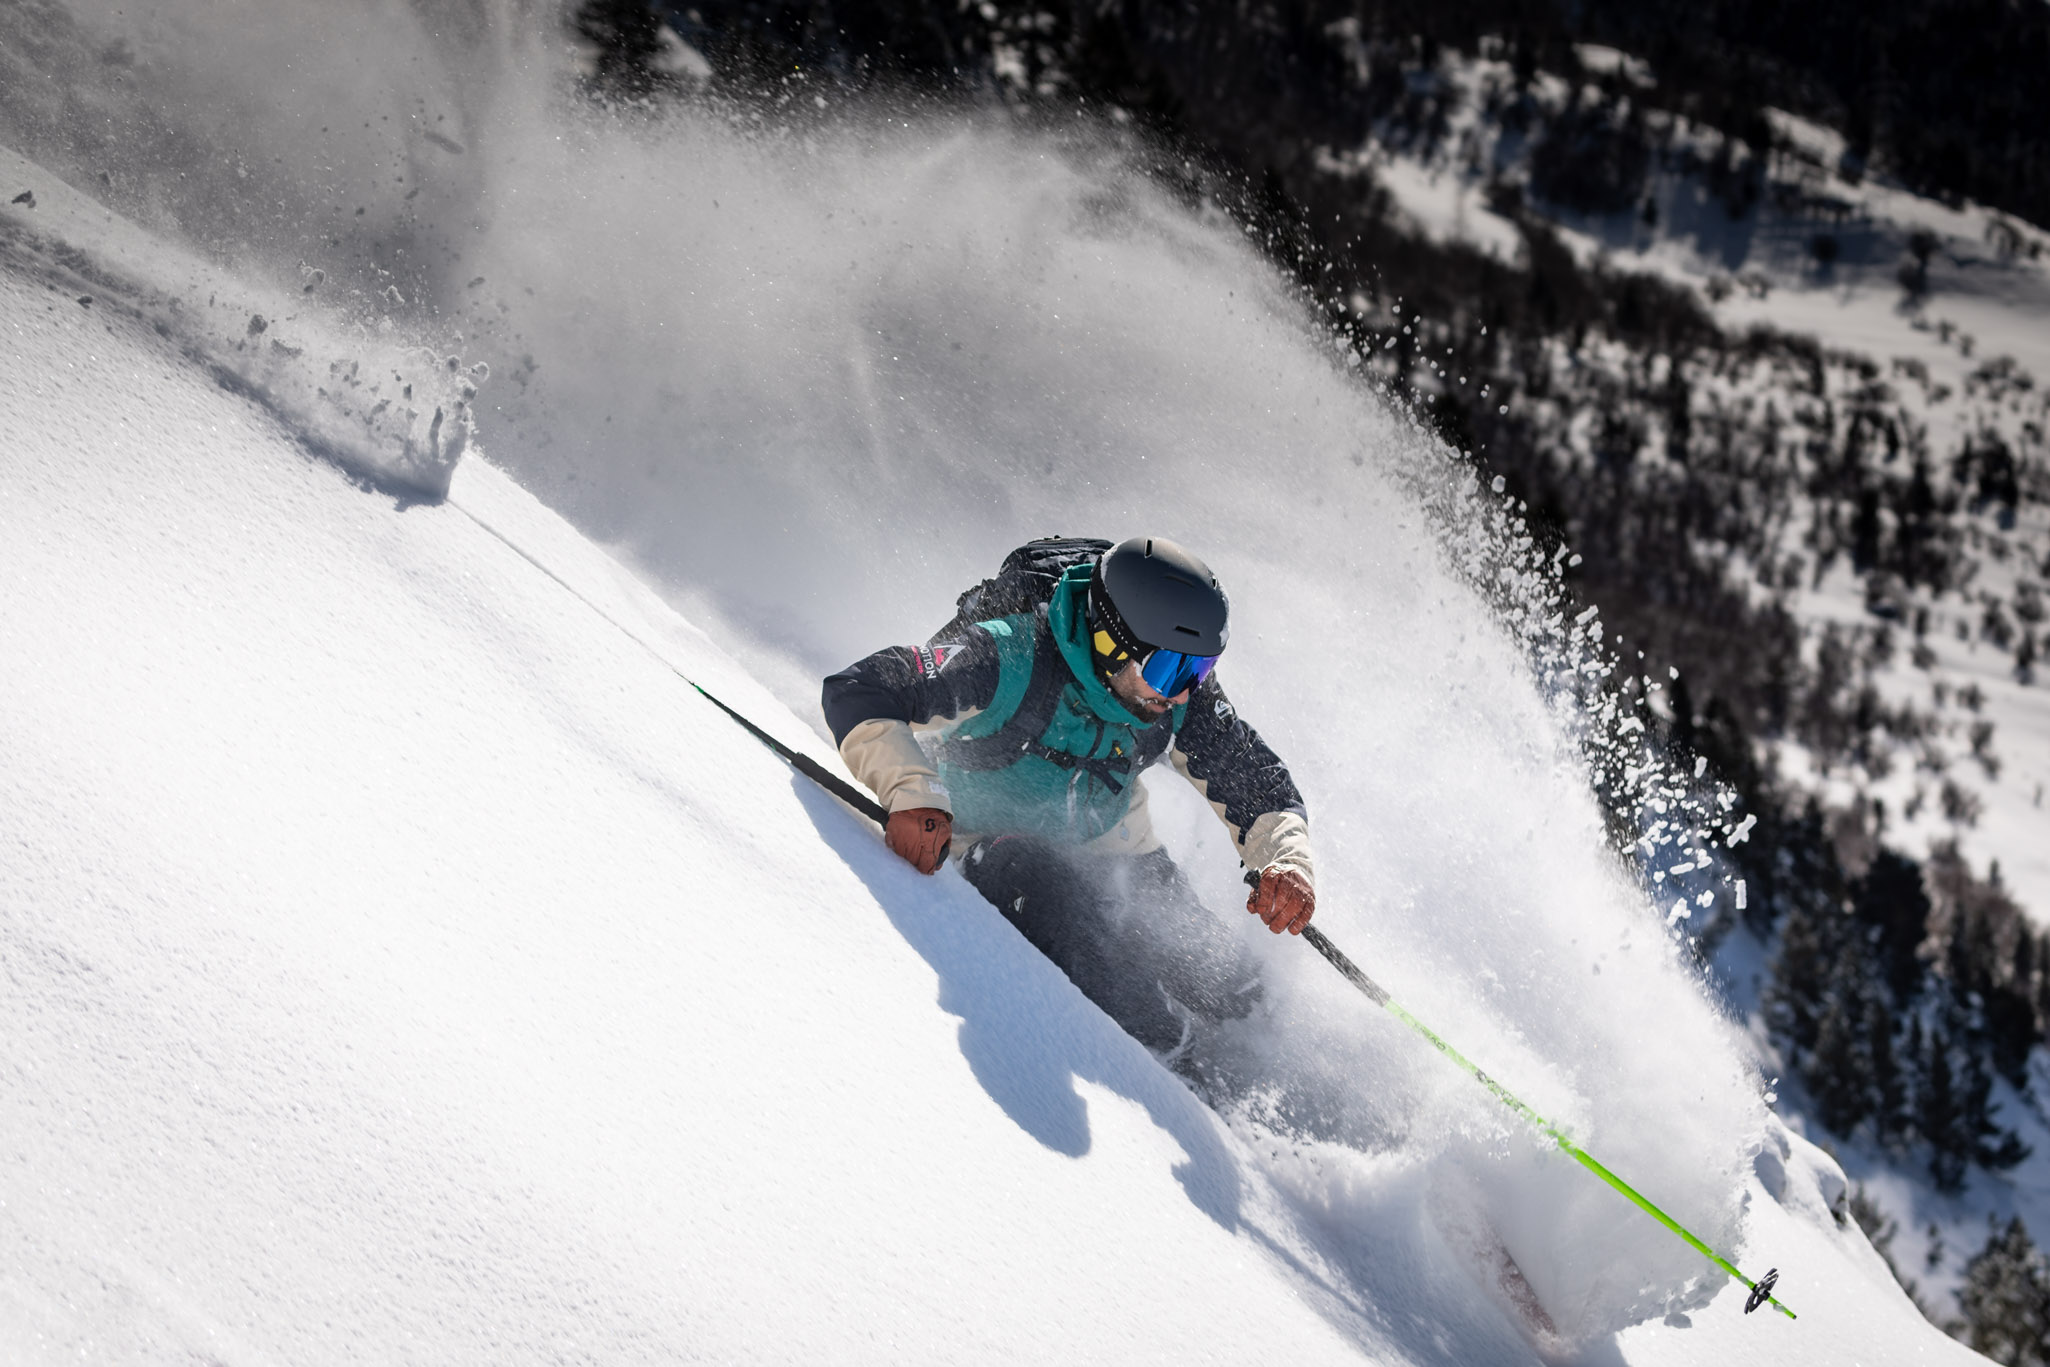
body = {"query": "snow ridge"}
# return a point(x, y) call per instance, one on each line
point(394, 414)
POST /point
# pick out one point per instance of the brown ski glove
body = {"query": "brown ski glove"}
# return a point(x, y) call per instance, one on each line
point(921, 836)
point(1283, 899)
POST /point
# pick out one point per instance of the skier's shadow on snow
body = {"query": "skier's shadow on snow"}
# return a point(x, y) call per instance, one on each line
point(1027, 1033)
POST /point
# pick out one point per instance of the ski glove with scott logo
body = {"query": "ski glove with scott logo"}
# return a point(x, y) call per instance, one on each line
point(1283, 899)
point(920, 835)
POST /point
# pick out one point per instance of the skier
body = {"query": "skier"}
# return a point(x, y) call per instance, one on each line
point(1042, 720)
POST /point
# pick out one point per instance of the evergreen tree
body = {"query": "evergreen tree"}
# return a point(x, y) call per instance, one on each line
point(1891, 897)
point(1990, 1146)
point(1796, 1000)
point(1838, 1070)
point(1852, 1035)
point(1890, 1116)
point(1954, 1109)
point(2010, 1012)
point(2006, 1300)
point(1939, 1114)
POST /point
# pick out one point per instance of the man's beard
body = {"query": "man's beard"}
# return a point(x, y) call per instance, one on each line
point(1148, 709)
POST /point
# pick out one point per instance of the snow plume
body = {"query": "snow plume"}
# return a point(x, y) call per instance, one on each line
point(819, 377)
point(818, 371)
point(266, 137)
point(1668, 816)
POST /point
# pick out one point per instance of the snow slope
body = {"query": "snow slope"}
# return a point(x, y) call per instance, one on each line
point(404, 965)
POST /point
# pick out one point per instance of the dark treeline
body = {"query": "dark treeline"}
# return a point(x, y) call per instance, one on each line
point(2006, 1299)
point(1949, 95)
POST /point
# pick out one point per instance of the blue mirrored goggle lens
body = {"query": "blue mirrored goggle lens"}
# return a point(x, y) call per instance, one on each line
point(1170, 671)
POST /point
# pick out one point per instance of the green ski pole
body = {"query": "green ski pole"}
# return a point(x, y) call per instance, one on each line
point(1761, 1290)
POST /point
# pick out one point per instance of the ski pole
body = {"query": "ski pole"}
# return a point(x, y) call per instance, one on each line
point(1761, 1290)
point(804, 764)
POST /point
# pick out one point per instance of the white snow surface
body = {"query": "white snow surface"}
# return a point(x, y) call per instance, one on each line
point(403, 964)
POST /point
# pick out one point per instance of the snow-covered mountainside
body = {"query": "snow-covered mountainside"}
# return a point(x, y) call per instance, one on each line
point(1927, 342)
point(403, 963)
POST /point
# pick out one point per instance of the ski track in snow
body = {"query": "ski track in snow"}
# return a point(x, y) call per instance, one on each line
point(403, 965)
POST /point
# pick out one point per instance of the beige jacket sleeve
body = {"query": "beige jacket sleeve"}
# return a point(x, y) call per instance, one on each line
point(885, 755)
point(1273, 840)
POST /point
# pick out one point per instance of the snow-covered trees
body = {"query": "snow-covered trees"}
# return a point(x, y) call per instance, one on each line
point(2006, 1299)
point(1899, 1009)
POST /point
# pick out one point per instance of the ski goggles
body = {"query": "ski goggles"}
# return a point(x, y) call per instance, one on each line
point(1168, 672)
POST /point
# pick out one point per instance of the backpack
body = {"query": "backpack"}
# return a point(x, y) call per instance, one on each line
point(1022, 583)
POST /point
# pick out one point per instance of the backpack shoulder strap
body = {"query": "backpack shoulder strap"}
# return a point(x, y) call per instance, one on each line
point(1028, 690)
point(1024, 706)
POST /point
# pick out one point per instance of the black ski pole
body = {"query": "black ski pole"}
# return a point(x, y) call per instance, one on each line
point(806, 765)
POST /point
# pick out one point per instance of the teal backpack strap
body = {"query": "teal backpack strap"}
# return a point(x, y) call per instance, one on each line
point(1113, 774)
point(1012, 726)
point(1028, 690)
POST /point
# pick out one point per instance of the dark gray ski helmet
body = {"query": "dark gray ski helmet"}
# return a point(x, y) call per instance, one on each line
point(1149, 593)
